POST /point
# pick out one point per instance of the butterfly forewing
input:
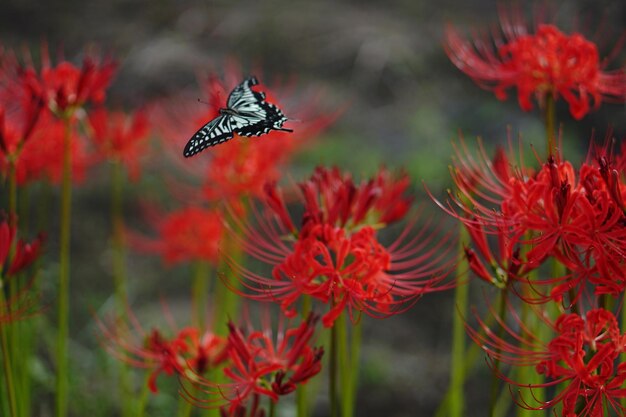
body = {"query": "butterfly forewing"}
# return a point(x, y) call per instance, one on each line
point(243, 96)
point(217, 131)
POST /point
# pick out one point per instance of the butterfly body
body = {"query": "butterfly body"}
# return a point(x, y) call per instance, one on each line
point(247, 114)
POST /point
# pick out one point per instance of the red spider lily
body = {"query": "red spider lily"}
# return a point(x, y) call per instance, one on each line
point(24, 253)
point(31, 141)
point(41, 157)
point(578, 222)
point(242, 168)
point(337, 257)
point(243, 165)
point(188, 234)
point(66, 87)
point(331, 197)
point(547, 62)
point(581, 361)
point(20, 302)
point(574, 215)
point(502, 270)
point(120, 137)
point(483, 184)
point(18, 121)
point(20, 110)
point(261, 364)
point(192, 351)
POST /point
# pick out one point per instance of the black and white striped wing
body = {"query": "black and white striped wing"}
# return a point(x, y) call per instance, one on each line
point(243, 97)
point(217, 131)
point(254, 116)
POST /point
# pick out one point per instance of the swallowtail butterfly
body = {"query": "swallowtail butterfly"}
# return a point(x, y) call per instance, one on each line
point(247, 113)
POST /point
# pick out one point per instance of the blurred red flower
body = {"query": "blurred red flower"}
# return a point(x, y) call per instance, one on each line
point(547, 62)
point(336, 256)
point(188, 234)
point(65, 87)
point(15, 256)
point(120, 137)
point(20, 111)
point(41, 157)
point(31, 139)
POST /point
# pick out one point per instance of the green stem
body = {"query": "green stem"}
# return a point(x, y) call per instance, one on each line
point(549, 117)
point(461, 294)
point(200, 292)
point(345, 374)
point(355, 355)
point(301, 392)
point(495, 380)
point(527, 374)
point(471, 357)
point(62, 382)
point(119, 275)
point(13, 331)
point(332, 372)
point(6, 359)
point(143, 398)
point(117, 220)
point(226, 302)
point(184, 408)
point(272, 409)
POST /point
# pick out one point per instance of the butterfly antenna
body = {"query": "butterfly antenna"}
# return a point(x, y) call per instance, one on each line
point(204, 102)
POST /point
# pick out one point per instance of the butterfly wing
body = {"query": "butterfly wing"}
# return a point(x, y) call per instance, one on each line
point(217, 131)
point(243, 96)
point(254, 115)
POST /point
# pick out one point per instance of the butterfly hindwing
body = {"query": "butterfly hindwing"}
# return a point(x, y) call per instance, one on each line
point(217, 131)
point(266, 118)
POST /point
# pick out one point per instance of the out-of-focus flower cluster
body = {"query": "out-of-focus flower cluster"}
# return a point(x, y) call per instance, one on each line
point(16, 255)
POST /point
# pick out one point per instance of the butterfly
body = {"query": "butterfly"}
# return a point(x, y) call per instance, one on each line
point(247, 113)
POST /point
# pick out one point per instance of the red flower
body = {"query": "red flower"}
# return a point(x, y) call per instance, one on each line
point(190, 352)
point(547, 62)
point(41, 157)
point(242, 168)
point(31, 140)
point(332, 197)
point(21, 301)
point(189, 234)
point(66, 87)
point(574, 215)
point(261, 364)
point(500, 270)
point(20, 111)
point(120, 137)
point(336, 257)
point(24, 255)
point(581, 361)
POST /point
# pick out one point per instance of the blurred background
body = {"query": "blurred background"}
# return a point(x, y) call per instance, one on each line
point(402, 102)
